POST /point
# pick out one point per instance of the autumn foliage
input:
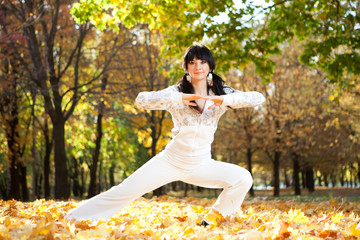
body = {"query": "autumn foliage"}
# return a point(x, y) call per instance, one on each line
point(174, 218)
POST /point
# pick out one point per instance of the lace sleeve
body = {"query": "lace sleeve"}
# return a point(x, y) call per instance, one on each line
point(239, 99)
point(159, 100)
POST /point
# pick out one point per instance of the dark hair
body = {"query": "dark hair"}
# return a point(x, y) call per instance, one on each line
point(203, 53)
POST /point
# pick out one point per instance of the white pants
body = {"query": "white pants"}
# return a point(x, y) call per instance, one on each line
point(164, 168)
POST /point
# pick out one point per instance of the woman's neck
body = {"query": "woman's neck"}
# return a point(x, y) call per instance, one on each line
point(200, 88)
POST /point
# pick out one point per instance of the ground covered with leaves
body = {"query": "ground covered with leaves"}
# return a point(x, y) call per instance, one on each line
point(175, 218)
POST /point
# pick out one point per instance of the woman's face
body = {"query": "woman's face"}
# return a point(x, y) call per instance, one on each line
point(198, 69)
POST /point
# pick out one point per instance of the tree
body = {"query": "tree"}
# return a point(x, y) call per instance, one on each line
point(10, 101)
point(274, 122)
point(140, 68)
point(182, 24)
point(329, 28)
point(99, 132)
point(305, 96)
point(336, 150)
point(241, 135)
point(107, 49)
point(9, 109)
point(295, 95)
point(39, 16)
point(53, 59)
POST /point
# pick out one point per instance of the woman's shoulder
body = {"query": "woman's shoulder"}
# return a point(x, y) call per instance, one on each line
point(171, 88)
point(174, 87)
point(228, 89)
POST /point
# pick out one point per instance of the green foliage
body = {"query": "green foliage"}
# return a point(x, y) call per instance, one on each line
point(123, 147)
point(120, 145)
point(183, 24)
point(329, 29)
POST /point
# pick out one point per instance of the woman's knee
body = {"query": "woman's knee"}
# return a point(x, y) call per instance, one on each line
point(245, 178)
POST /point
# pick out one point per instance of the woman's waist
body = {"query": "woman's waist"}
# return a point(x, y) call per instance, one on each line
point(195, 135)
point(181, 148)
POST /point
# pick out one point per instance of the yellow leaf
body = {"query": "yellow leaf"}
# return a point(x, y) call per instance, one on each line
point(261, 228)
point(198, 209)
point(7, 221)
point(188, 231)
point(354, 230)
point(298, 216)
point(148, 232)
point(337, 217)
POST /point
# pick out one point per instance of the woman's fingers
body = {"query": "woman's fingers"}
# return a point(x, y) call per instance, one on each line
point(217, 100)
point(190, 97)
point(189, 103)
point(212, 106)
point(187, 98)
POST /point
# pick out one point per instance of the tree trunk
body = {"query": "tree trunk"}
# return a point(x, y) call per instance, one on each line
point(342, 177)
point(82, 182)
point(186, 187)
point(14, 181)
point(303, 179)
point(34, 172)
point(326, 182)
point(159, 191)
point(61, 171)
point(310, 184)
point(286, 179)
point(174, 186)
point(48, 148)
point(24, 187)
point(103, 182)
point(249, 160)
point(276, 177)
point(14, 157)
point(277, 155)
point(333, 179)
point(34, 149)
point(296, 177)
point(3, 183)
point(74, 176)
point(111, 174)
point(358, 169)
point(11, 117)
point(93, 190)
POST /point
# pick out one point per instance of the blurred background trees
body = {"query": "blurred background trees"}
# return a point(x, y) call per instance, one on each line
point(70, 73)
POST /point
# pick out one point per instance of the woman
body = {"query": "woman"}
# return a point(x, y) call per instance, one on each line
point(196, 104)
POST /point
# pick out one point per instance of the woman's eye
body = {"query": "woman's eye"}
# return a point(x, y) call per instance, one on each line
point(203, 61)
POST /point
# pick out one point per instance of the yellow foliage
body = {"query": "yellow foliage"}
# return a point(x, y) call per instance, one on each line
point(336, 218)
point(354, 230)
point(173, 218)
point(298, 216)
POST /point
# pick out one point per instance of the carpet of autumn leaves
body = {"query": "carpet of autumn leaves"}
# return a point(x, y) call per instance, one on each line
point(174, 218)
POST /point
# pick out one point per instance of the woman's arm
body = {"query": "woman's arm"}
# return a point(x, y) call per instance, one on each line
point(238, 99)
point(159, 100)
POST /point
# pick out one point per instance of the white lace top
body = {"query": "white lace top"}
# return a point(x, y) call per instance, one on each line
point(170, 99)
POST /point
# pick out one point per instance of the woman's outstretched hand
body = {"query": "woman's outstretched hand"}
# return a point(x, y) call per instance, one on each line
point(217, 100)
point(187, 98)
